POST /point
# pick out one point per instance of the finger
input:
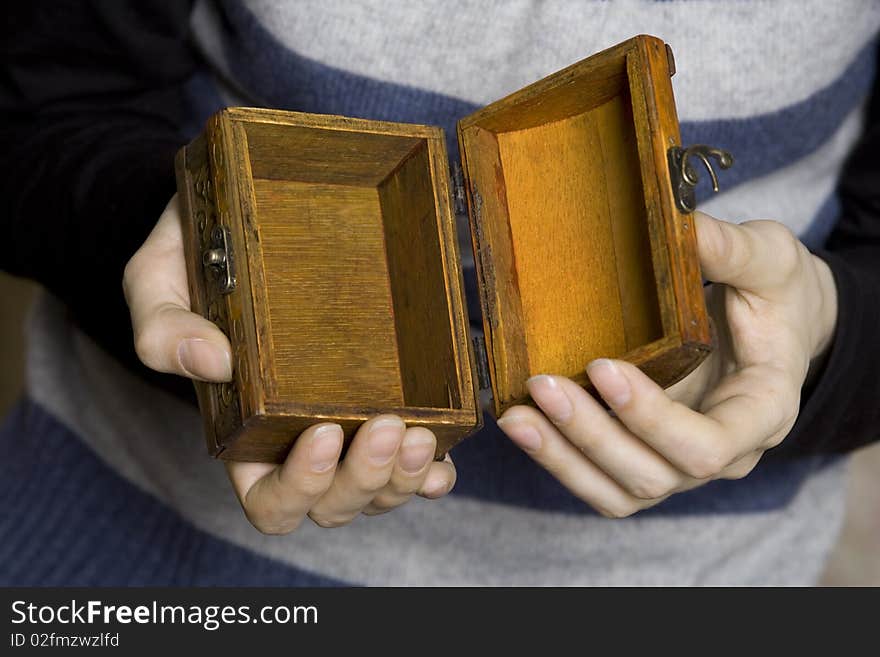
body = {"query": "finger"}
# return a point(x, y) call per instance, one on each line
point(633, 464)
point(538, 438)
point(364, 472)
point(168, 337)
point(755, 256)
point(276, 498)
point(700, 445)
point(440, 479)
point(742, 468)
point(413, 461)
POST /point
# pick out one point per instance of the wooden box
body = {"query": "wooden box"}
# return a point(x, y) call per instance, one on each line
point(325, 248)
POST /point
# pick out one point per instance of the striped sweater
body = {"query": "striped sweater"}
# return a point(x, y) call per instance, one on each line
point(109, 482)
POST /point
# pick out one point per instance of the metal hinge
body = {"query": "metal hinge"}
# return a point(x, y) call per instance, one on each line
point(670, 60)
point(459, 198)
point(482, 361)
point(218, 259)
point(684, 176)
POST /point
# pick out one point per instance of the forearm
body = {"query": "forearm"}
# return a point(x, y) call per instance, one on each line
point(88, 134)
point(840, 409)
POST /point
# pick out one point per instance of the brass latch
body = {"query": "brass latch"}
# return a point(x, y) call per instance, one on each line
point(218, 259)
point(684, 176)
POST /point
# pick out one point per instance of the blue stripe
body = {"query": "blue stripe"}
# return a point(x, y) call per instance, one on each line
point(278, 77)
point(68, 520)
point(491, 468)
point(823, 223)
point(202, 100)
point(764, 143)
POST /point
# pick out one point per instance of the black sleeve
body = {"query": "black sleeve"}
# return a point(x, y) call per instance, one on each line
point(91, 100)
point(841, 410)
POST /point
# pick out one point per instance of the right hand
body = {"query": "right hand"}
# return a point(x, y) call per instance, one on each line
point(386, 463)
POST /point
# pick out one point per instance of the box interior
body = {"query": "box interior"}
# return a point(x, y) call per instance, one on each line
point(358, 306)
point(563, 228)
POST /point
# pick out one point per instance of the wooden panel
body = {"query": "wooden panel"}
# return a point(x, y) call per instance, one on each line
point(311, 154)
point(268, 438)
point(563, 244)
point(629, 222)
point(415, 266)
point(572, 90)
point(656, 122)
point(643, 302)
point(202, 209)
point(496, 270)
point(329, 298)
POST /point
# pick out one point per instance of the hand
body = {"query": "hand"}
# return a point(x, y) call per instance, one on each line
point(386, 463)
point(774, 307)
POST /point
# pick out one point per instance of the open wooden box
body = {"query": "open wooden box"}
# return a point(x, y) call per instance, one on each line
point(325, 248)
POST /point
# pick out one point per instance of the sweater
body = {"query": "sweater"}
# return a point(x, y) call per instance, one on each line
point(109, 481)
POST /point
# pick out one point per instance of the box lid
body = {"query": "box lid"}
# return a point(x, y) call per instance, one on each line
point(582, 234)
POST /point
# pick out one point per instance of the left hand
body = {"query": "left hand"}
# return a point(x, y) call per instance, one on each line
point(774, 307)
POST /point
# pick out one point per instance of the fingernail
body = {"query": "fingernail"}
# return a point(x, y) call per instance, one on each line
point(325, 448)
point(417, 450)
point(550, 396)
point(384, 439)
point(436, 486)
point(521, 432)
point(203, 359)
point(611, 383)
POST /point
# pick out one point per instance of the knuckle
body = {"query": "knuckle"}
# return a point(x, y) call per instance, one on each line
point(379, 506)
point(314, 485)
point(406, 488)
point(649, 487)
point(743, 467)
point(722, 246)
point(648, 422)
point(705, 464)
point(147, 343)
point(368, 486)
point(329, 522)
point(787, 249)
point(782, 403)
point(272, 526)
point(617, 510)
point(739, 471)
point(132, 269)
point(589, 441)
point(374, 511)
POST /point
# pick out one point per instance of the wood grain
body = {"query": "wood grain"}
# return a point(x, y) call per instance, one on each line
point(314, 248)
point(627, 214)
point(581, 251)
point(324, 156)
point(422, 315)
point(562, 239)
point(329, 296)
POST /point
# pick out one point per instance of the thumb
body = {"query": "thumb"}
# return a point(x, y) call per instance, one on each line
point(167, 336)
point(752, 256)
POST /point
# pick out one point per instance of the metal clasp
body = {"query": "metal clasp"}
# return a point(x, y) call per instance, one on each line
point(484, 381)
point(218, 259)
point(684, 176)
point(459, 200)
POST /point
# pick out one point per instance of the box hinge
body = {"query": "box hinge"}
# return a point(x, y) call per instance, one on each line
point(670, 60)
point(459, 198)
point(218, 259)
point(482, 361)
point(684, 176)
